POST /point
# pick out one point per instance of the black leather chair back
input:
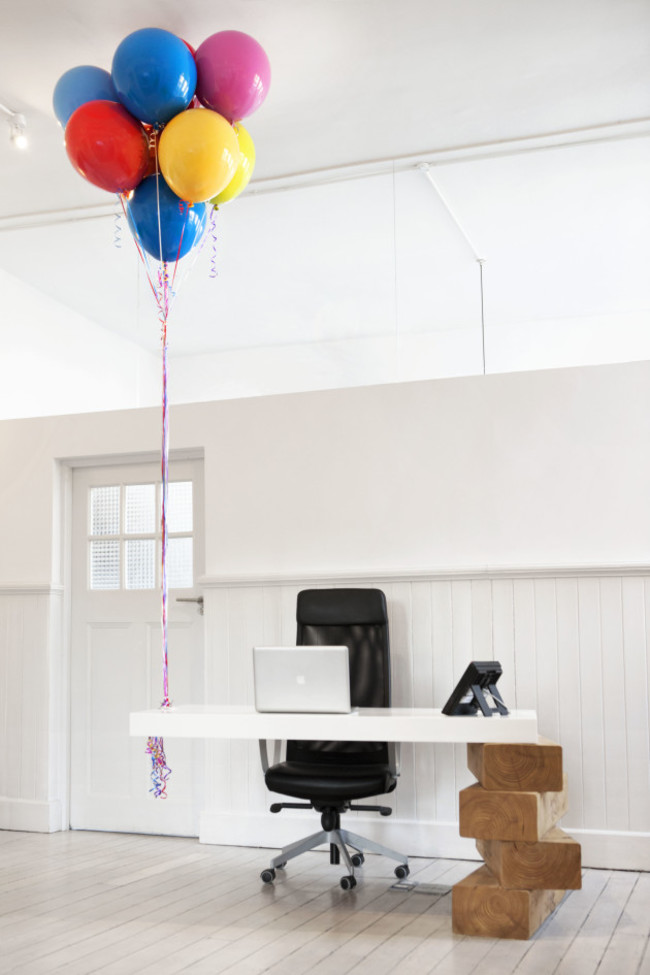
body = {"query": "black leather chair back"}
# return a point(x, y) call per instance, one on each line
point(358, 619)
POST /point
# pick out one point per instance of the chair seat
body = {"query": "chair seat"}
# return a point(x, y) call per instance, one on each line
point(304, 780)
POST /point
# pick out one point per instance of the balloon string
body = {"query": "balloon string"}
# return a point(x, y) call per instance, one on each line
point(183, 208)
point(141, 252)
point(164, 470)
point(190, 261)
point(160, 770)
point(153, 144)
point(163, 293)
point(160, 251)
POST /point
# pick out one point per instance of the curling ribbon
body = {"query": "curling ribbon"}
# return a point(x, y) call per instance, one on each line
point(213, 235)
point(117, 229)
point(160, 771)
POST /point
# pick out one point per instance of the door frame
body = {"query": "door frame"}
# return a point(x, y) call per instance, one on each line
point(60, 623)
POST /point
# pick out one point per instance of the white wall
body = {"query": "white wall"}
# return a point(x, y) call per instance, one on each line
point(56, 361)
point(353, 281)
point(440, 354)
point(535, 468)
point(541, 468)
point(500, 498)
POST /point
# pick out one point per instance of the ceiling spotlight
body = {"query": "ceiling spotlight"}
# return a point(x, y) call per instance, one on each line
point(17, 133)
point(17, 127)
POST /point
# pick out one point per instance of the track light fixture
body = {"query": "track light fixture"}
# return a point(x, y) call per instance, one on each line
point(17, 127)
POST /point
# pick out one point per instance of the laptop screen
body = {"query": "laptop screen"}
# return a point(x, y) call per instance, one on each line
point(310, 679)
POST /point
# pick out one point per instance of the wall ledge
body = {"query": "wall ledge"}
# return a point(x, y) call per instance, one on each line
point(442, 574)
point(31, 589)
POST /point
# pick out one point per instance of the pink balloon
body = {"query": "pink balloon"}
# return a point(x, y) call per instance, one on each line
point(234, 74)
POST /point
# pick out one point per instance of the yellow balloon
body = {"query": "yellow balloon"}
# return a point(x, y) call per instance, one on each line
point(198, 154)
point(243, 172)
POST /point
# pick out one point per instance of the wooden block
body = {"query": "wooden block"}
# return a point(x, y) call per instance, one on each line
point(490, 815)
point(481, 907)
point(525, 767)
point(553, 862)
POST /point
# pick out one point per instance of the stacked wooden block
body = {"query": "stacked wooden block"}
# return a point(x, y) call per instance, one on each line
point(530, 863)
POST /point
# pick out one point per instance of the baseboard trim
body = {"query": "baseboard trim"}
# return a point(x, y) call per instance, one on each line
point(31, 816)
point(602, 849)
point(275, 831)
point(612, 850)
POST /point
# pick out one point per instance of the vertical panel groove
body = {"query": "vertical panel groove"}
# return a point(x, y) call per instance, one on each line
point(625, 722)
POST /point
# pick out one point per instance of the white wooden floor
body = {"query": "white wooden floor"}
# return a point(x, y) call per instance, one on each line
point(119, 904)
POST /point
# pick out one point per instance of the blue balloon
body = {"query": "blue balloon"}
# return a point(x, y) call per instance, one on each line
point(77, 86)
point(154, 75)
point(180, 227)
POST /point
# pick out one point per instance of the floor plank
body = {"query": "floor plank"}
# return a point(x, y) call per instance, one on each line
point(626, 948)
point(84, 903)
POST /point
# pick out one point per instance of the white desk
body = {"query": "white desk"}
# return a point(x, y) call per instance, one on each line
point(481, 904)
point(367, 724)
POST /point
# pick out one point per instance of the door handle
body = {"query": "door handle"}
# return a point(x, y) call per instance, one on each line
point(192, 599)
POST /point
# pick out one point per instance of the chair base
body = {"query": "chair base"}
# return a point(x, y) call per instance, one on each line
point(339, 839)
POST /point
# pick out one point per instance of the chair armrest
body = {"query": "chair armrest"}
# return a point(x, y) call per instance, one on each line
point(264, 755)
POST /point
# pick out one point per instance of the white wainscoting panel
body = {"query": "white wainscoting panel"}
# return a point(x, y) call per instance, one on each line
point(30, 708)
point(574, 646)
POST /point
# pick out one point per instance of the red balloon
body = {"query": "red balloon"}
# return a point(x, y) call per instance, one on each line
point(107, 146)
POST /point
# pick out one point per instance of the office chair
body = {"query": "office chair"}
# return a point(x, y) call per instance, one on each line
point(332, 775)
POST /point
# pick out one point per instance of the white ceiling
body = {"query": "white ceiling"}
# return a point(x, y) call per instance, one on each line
point(353, 81)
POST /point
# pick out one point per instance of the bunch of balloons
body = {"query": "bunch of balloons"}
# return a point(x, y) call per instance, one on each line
point(163, 129)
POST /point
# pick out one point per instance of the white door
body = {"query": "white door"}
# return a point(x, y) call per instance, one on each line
point(116, 644)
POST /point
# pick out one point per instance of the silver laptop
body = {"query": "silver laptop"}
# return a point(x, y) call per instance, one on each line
point(308, 679)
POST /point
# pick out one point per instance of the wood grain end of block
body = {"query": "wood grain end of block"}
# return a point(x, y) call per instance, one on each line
point(520, 767)
point(551, 863)
point(482, 908)
point(507, 815)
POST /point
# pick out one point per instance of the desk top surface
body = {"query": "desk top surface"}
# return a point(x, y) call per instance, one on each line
point(365, 724)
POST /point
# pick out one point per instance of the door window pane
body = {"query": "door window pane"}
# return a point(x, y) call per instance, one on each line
point(134, 537)
point(179, 506)
point(180, 563)
point(140, 563)
point(140, 509)
point(105, 510)
point(105, 565)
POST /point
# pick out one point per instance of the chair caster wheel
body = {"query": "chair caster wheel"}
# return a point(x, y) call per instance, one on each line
point(268, 875)
point(347, 883)
point(280, 866)
point(402, 871)
point(358, 860)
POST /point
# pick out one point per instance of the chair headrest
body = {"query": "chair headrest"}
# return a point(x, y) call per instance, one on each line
point(341, 607)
